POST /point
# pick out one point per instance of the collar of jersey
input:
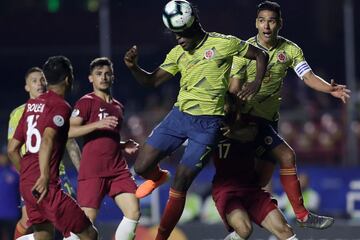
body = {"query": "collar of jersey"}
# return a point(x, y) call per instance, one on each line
point(264, 48)
point(202, 41)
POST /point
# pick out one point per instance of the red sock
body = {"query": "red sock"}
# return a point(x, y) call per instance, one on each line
point(173, 210)
point(291, 186)
point(20, 230)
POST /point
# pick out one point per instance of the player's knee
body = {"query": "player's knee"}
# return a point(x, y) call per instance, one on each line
point(284, 230)
point(244, 230)
point(133, 214)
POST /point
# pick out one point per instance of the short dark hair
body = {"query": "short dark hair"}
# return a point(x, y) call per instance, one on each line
point(271, 6)
point(99, 62)
point(31, 70)
point(56, 69)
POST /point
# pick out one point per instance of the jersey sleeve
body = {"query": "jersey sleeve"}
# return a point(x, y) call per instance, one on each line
point(82, 109)
point(57, 116)
point(13, 122)
point(238, 68)
point(170, 63)
point(299, 64)
point(19, 132)
point(238, 47)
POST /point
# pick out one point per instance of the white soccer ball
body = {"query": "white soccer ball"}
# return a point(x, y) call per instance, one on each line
point(178, 15)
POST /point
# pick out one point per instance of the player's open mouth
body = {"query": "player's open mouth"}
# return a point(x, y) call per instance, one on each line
point(267, 34)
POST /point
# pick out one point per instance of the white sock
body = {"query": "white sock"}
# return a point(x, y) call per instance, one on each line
point(234, 236)
point(126, 229)
point(72, 237)
point(27, 237)
point(292, 238)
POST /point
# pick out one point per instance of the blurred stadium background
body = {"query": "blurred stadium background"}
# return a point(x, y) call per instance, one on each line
point(324, 132)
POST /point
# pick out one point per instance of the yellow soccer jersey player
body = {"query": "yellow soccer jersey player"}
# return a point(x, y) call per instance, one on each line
point(204, 72)
point(204, 61)
point(284, 55)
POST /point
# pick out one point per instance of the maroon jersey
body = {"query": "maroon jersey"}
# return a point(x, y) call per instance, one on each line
point(48, 110)
point(235, 165)
point(101, 154)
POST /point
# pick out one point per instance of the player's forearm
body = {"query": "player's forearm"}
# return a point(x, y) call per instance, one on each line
point(79, 131)
point(74, 152)
point(143, 77)
point(46, 147)
point(317, 83)
point(14, 155)
point(262, 59)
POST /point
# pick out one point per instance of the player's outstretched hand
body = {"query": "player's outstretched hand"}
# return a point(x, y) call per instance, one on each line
point(131, 57)
point(249, 89)
point(40, 189)
point(339, 91)
point(107, 122)
point(130, 147)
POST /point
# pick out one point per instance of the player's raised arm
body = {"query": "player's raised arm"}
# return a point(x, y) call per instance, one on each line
point(261, 58)
point(152, 79)
point(315, 82)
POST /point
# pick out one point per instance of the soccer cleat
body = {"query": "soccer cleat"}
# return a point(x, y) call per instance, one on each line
point(316, 221)
point(149, 185)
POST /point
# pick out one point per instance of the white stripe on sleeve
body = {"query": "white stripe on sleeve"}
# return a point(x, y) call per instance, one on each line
point(302, 68)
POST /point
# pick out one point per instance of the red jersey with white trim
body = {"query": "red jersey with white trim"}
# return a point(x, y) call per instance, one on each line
point(101, 154)
point(49, 110)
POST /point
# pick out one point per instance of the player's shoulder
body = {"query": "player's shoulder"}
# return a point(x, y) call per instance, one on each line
point(252, 40)
point(17, 111)
point(288, 43)
point(222, 37)
point(117, 102)
point(89, 97)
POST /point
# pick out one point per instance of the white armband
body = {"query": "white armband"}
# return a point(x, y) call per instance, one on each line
point(302, 68)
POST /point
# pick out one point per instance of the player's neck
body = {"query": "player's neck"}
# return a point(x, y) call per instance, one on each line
point(104, 95)
point(267, 44)
point(58, 89)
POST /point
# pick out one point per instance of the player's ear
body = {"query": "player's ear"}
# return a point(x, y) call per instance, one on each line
point(256, 23)
point(27, 88)
point(90, 79)
point(280, 23)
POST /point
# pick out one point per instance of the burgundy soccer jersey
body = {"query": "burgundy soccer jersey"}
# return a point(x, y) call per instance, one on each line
point(235, 164)
point(101, 154)
point(48, 110)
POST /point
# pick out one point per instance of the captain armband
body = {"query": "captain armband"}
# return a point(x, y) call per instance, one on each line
point(302, 68)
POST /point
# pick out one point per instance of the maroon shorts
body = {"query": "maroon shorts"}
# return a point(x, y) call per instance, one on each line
point(256, 202)
point(57, 207)
point(91, 191)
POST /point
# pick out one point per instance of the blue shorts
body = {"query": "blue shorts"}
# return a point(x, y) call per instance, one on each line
point(202, 133)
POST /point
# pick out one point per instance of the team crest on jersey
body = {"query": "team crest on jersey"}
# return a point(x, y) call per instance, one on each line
point(281, 57)
point(75, 113)
point(209, 54)
point(58, 120)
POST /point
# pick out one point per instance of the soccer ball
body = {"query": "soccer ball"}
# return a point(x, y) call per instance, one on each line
point(178, 15)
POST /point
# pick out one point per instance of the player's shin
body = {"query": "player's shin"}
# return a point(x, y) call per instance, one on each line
point(126, 229)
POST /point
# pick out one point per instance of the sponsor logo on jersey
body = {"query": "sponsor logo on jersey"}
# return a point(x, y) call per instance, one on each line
point(75, 112)
point(209, 54)
point(281, 57)
point(58, 120)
